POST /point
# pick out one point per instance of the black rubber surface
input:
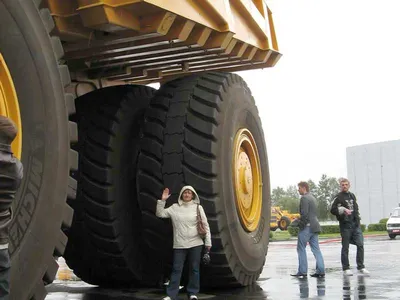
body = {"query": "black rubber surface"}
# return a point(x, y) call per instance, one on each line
point(286, 221)
point(187, 139)
point(33, 58)
point(105, 238)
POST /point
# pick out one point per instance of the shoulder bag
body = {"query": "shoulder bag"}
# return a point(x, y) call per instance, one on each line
point(200, 225)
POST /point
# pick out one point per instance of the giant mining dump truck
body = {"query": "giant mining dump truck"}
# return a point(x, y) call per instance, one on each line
point(99, 144)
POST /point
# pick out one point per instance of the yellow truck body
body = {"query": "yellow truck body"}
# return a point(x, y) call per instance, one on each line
point(281, 218)
point(143, 41)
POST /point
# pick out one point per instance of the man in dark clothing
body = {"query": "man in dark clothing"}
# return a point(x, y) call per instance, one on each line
point(11, 173)
point(308, 233)
point(345, 208)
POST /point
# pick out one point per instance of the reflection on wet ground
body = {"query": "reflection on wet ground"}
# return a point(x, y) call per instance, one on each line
point(304, 287)
point(381, 258)
point(359, 292)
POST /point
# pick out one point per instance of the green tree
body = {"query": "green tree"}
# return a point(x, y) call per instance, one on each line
point(277, 194)
point(289, 203)
point(313, 187)
point(327, 188)
point(287, 199)
point(291, 191)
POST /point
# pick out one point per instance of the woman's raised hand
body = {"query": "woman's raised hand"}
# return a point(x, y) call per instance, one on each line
point(165, 195)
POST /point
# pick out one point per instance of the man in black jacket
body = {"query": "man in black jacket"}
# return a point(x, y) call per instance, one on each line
point(11, 172)
point(345, 208)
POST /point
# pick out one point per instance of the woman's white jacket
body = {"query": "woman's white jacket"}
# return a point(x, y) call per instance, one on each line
point(184, 221)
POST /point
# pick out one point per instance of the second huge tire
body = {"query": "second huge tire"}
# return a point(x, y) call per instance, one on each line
point(189, 138)
point(105, 244)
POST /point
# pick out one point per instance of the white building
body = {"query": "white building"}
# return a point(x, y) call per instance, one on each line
point(374, 174)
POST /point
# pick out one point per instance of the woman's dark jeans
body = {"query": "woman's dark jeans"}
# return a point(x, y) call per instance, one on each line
point(193, 256)
point(5, 264)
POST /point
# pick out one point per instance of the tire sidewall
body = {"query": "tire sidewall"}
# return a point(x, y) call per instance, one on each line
point(26, 48)
point(123, 159)
point(250, 248)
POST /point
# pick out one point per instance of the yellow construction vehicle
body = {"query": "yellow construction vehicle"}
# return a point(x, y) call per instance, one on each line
point(98, 145)
point(281, 218)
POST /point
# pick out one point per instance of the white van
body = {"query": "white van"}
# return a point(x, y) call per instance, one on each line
point(393, 224)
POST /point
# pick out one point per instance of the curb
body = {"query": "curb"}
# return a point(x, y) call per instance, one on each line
point(323, 240)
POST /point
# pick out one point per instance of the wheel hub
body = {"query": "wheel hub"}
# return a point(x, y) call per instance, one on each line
point(9, 106)
point(247, 180)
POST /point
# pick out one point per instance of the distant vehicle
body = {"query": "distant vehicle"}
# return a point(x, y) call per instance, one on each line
point(393, 224)
point(281, 218)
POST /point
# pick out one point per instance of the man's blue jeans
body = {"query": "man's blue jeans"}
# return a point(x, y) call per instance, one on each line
point(194, 256)
point(305, 236)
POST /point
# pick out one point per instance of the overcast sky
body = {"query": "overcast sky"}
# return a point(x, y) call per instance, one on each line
point(337, 84)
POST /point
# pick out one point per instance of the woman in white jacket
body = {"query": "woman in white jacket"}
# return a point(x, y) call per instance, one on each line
point(187, 241)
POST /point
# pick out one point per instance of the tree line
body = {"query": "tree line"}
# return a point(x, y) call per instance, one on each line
point(324, 192)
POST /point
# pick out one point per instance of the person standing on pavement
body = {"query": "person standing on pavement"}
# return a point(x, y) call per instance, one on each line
point(345, 208)
point(11, 173)
point(309, 229)
point(188, 244)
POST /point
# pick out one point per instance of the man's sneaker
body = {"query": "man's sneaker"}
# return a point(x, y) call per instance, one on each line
point(193, 297)
point(318, 275)
point(167, 298)
point(299, 275)
point(348, 272)
point(363, 271)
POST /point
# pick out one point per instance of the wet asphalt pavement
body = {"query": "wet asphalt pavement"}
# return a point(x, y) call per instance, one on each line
point(382, 259)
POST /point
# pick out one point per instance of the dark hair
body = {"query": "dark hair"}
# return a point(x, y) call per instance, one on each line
point(8, 130)
point(304, 185)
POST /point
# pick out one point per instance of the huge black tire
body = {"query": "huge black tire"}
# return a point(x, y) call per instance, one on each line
point(32, 57)
point(105, 237)
point(188, 138)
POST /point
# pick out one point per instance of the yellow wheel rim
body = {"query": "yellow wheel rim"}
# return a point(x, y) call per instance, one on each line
point(9, 106)
point(247, 180)
point(283, 223)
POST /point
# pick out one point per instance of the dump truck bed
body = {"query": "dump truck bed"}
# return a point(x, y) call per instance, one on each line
point(143, 41)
